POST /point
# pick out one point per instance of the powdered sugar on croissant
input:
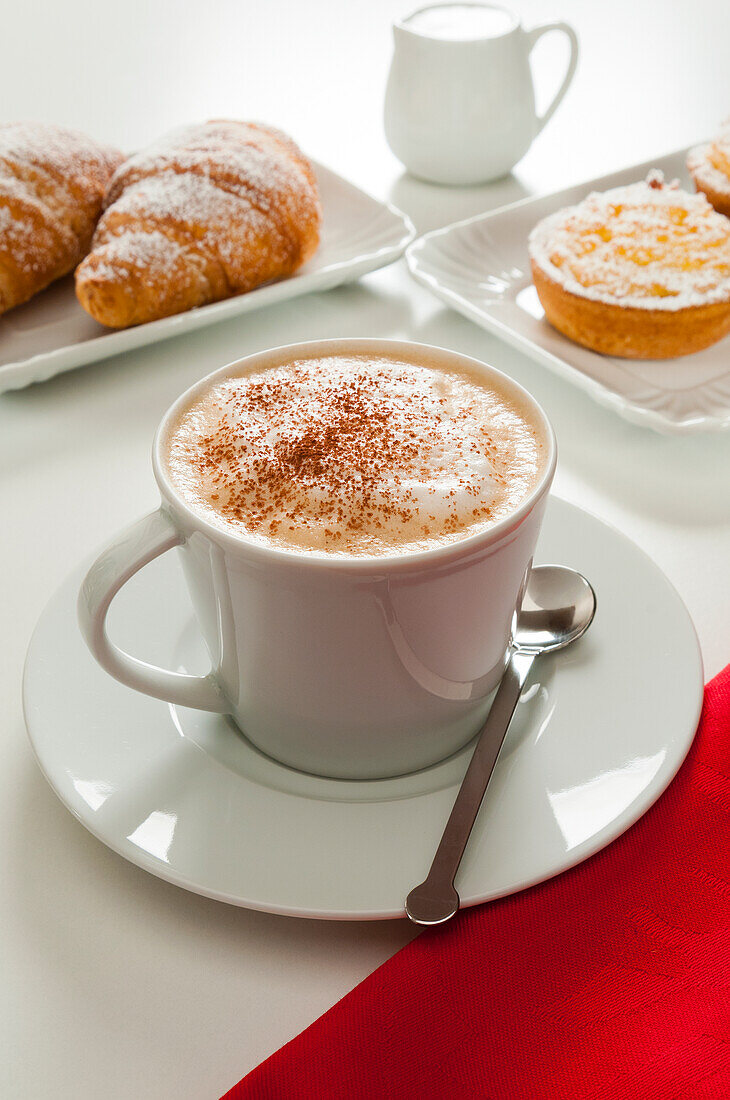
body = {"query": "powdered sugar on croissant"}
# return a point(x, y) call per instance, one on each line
point(52, 182)
point(210, 211)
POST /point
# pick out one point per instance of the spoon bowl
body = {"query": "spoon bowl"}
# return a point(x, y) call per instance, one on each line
point(558, 606)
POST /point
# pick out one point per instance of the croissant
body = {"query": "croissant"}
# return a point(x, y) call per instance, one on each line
point(52, 182)
point(210, 211)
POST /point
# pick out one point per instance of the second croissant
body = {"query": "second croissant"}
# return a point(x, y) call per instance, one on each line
point(210, 211)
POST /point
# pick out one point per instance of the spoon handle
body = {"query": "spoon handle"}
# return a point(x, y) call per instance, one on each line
point(436, 899)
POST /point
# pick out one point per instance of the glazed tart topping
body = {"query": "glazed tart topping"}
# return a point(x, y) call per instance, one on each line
point(648, 245)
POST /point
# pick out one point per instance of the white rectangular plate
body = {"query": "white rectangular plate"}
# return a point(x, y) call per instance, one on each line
point(481, 268)
point(52, 333)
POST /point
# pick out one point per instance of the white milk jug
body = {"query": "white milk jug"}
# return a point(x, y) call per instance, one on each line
point(460, 102)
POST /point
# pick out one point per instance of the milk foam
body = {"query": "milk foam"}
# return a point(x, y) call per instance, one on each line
point(354, 455)
point(461, 22)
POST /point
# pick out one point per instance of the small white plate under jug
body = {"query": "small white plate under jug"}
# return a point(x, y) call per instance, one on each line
point(460, 101)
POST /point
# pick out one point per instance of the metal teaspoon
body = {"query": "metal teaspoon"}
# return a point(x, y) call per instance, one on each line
point(558, 607)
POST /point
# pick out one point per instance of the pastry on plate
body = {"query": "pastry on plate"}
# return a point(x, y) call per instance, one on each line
point(52, 182)
point(641, 272)
point(210, 211)
point(709, 167)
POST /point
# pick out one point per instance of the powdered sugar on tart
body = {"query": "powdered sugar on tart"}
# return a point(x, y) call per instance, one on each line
point(710, 165)
point(648, 245)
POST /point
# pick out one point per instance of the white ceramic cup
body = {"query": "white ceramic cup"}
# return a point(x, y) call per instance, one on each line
point(461, 110)
point(351, 667)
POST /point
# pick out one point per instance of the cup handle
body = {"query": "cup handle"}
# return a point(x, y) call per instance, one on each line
point(145, 540)
point(532, 37)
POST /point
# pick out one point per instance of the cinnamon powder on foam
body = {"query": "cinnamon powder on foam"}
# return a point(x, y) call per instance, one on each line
point(354, 455)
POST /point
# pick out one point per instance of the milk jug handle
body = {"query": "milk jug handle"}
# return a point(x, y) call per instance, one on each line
point(532, 37)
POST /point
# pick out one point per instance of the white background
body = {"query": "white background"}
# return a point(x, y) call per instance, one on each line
point(116, 983)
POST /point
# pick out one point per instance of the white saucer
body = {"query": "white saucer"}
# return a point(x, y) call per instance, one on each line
point(596, 739)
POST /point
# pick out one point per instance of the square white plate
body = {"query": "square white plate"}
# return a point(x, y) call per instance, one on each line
point(52, 333)
point(481, 268)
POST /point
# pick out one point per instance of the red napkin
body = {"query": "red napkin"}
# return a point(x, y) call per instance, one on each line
point(611, 981)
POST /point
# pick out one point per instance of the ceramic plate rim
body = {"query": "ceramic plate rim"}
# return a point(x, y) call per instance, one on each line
point(44, 365)
point(607, 398)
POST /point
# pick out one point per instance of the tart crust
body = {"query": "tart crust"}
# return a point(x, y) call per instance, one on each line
point(627, 332)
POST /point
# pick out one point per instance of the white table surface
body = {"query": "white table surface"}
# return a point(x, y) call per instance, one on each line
point(114, 982)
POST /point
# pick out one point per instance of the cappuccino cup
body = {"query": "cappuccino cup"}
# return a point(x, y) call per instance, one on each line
point(356, 521)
